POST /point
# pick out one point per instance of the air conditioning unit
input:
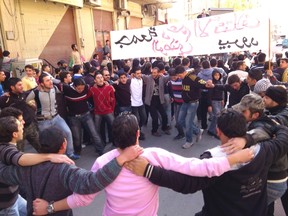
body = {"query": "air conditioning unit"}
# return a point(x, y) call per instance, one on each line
point(93, 3)
point(121, 4)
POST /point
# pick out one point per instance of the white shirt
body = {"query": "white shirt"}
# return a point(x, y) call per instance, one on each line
point(136, 89)
point(241, 74)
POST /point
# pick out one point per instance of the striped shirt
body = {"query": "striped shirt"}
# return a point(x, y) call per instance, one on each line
point(10, 156)
point(176, 87)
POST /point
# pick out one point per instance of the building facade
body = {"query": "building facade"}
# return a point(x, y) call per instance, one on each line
point(45, 29)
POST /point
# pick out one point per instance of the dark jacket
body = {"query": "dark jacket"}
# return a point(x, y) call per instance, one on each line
point(18, 101)
point(216, 94)
point(52, 182)
point(280, 115)
point(191, 87)
point(239, 192)
point(122, 94)
point(235, 96)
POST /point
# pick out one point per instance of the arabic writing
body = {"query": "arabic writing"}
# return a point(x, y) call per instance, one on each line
point(170, 41)
point(245, 43)
point(216, 25)
point(125, 40)
point(215, 34)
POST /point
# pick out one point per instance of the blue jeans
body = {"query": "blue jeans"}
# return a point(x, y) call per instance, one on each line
point(179, 127)
point(59, 122)
point(140, 114)
point(275, 191)
point(216, 110)
point(167, 107)
point(85, 121)
point(18, 209)
point(186, 119)
point(98, 119)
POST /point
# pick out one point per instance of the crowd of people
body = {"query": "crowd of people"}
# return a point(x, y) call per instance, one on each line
point(99, 102)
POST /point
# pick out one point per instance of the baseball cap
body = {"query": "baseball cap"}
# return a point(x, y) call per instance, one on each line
point(249, 101)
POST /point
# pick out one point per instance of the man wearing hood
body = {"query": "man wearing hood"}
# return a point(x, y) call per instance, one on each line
point(204, 101)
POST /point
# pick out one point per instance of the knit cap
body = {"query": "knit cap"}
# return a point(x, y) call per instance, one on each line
point(278, 94)
point(262, 85)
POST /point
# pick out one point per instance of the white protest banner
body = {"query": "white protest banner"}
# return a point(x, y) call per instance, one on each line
point(239, 31)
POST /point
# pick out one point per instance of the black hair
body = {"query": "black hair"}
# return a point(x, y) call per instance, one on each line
point(92, 69)
point(126, 68)
point(239, 64)
point(29, 66)
point(109, 67)
point(156, 68)
point(42, 76)
point(78, 82)
point(44, 66)
point(179, 69)
point(135, 63)
point(76, 68)
point(63, 75)
point(241, 57)
point(122, 74)
point(51, 140)
point(205, 64)
point(8, 125)
point(176, 62)
point(73, 46)
point(255, 74)
point(124, 130)
point(172, 72)
point(12, 82)
point(161, 66)
point(232, 124)
point(10, 111)
point(6, 53)
point(95, 55)
point(185, 61)
point(233, 79)
point(213, 62)
point(146, 69)
point(261, 57)
point(220, 63)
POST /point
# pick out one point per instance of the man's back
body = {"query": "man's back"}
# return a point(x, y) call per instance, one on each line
point(43, 181)
point(133, 195)
point(243, 191)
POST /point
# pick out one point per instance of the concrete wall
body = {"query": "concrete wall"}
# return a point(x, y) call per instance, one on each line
point(32, 23)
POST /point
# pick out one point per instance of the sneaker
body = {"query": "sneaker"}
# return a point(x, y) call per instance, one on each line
point(74, 156)
point(167, 132)
point(156, 134)
point(187, 145)
point(179, 136)
point(199, 135)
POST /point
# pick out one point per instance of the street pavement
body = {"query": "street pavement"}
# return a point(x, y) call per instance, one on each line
point(170, 202)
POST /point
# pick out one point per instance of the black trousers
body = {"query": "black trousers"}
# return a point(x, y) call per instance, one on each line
point(156, 107)
point(203, 109)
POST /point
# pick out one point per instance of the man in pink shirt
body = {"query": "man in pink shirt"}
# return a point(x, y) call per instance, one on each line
point(134, 195)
